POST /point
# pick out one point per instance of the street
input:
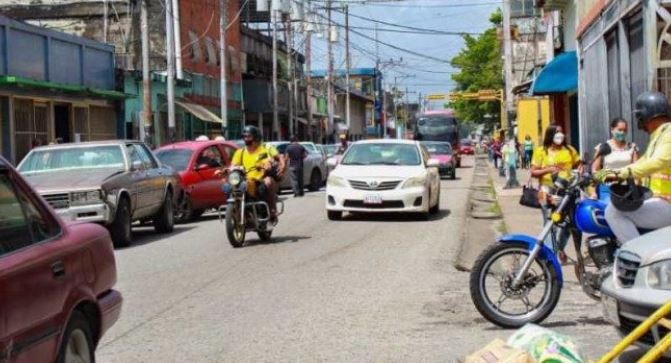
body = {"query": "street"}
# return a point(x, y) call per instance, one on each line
point(369, 288)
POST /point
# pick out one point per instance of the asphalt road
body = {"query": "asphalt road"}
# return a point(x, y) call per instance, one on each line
point(370, 288)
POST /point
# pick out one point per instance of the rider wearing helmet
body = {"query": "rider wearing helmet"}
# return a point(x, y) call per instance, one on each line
point(653, 168)
point(262, 163)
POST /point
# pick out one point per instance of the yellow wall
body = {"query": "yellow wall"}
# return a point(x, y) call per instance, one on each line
point(527, 118)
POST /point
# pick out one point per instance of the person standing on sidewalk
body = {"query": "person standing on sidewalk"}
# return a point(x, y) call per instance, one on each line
point(296, 153)
point(622, 153)
point(528, 152)
point(554, 156)
point(496, 153)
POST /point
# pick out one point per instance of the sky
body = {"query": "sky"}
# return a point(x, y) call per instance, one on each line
point(415, 72)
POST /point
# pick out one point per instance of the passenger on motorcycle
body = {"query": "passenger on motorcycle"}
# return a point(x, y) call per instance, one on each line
point(653, 168)
point(262, 163)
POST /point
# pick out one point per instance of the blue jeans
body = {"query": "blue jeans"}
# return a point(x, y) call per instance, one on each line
point(561, 239)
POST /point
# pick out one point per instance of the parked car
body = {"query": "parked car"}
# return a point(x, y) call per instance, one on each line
point(639, 284)
point(466, 147)
point(314, 166)
point(196, 162)
point(57, 279)
point(384, 176)
point(110, 182)
point(443, 153)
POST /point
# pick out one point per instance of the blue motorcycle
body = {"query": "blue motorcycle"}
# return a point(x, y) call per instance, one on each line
point(519, 279)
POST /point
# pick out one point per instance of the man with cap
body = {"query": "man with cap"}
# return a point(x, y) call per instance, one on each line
point(653, 169)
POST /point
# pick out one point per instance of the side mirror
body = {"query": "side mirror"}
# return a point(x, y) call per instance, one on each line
point(137, 165)
point(332, 162)
point(432, 163)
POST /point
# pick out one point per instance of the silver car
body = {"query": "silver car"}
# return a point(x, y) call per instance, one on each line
point(113, 183)
point(314, 166)
point(639, 284)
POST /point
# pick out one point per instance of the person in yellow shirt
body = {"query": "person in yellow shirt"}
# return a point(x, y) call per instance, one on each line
point(653, 169)
point(554, 156)
point(262, 163)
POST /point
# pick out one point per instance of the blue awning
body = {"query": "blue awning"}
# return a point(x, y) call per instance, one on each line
point(558, 76)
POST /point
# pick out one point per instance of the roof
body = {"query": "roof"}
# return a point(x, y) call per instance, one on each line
point(193, 145)
point(448, 112)
point(387, 141)
point(88, 143)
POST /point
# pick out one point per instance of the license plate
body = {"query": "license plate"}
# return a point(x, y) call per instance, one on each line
point(610, 311)
point(372, 199)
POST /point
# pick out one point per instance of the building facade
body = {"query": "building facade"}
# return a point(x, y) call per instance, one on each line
point(54, 87)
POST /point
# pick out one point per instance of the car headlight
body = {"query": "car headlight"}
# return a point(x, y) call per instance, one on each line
point(336, 181)
point(86, 197)
point(417, 181)
point(234, 179)
point(659, 275)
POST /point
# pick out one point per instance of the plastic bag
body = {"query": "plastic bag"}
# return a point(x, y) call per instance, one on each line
point(545, 345)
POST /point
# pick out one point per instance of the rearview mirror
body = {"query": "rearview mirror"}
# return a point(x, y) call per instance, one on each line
point(432, 163)
point(332, 162)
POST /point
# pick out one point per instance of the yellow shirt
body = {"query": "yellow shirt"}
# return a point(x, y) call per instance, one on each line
point(253, 162)
point(654, 167)
point(565, 158)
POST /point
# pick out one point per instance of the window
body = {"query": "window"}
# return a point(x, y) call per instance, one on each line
point(196, 53)
point(134, 156)
point(211, 157)
point(613, 69)
point(211, 55)
point(146, 157)
point(22, 221)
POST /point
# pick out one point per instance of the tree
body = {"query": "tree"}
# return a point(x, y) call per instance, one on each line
point(480, 67)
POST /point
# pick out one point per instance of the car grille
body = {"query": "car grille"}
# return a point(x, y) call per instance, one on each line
point(58, 201)
point(385, 185)
point(628, 325)
point(626, 267)
point(387, 204)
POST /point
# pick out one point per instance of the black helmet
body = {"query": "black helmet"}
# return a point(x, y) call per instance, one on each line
point(628, 196)
point(650, 105)
point(253, 131)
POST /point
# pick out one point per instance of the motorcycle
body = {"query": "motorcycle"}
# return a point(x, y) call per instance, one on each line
point(246, 208)
point(519, 264)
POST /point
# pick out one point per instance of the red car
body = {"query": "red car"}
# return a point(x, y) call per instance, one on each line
point(196, 162)
point(56, 279)
point(466, 147)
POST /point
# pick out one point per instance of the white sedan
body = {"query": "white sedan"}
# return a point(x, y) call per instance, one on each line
point(383, 176)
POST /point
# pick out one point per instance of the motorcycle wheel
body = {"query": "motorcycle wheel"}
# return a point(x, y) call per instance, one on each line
point(489, 296)
point(235, 231)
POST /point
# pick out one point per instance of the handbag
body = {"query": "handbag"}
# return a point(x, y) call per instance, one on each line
point(529, 197)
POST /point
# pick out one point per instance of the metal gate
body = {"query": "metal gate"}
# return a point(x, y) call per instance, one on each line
point(31, 126)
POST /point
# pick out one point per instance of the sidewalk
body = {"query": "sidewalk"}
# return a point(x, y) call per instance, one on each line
point(524, 220)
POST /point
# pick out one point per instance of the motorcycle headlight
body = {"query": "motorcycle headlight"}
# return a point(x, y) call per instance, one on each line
point(414, 182)
point(659, 275)
point(234, 179)
point(336, 181)
point(86, 197)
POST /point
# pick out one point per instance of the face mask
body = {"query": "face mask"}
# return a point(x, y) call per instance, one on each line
point(558, 138)
point(619, 135)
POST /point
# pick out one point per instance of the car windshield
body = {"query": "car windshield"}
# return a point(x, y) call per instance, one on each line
point(438, 148)
point(61, 159)
point(382, 154)
point(330, 150)
point(178, 159)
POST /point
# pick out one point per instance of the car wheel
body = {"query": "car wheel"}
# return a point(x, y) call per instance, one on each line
point(164, 221)
point(334, 215)
point(77, 344)
point(315, 180)
point(185, 212)
point(120, 229)
point(436, 208)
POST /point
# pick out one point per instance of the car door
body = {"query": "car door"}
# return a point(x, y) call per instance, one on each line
point(206, 193)
point(37, 272)
point(156, 177)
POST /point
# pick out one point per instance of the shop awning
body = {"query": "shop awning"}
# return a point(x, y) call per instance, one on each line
point(61, 87)
point(558, 76)
point(199, 111)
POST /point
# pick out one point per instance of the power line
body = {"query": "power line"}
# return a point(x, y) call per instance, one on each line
point(434, 31)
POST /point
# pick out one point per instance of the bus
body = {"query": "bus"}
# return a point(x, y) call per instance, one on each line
point(439, 125)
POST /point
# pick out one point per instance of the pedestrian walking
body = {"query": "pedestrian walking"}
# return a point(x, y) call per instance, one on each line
point(496, 153)
point(296, 153)
point(528, 152)
point(622, 154)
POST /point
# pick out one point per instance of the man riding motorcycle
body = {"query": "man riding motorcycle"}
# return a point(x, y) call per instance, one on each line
point(653, 168)
point(262, 164)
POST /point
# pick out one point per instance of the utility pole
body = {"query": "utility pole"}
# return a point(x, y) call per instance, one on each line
point(308, 69)
point(347, 65)
point(329, 82)
point(223, 93)
point(407, 113)
point(105, 20)
point(508, 65)
point(170, 53)
point(146, 81)
point(276, 121)
point(383, 116)
point(290, 81)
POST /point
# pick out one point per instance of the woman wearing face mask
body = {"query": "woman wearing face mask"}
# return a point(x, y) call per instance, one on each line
point(622, 153)
point(554, 156)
